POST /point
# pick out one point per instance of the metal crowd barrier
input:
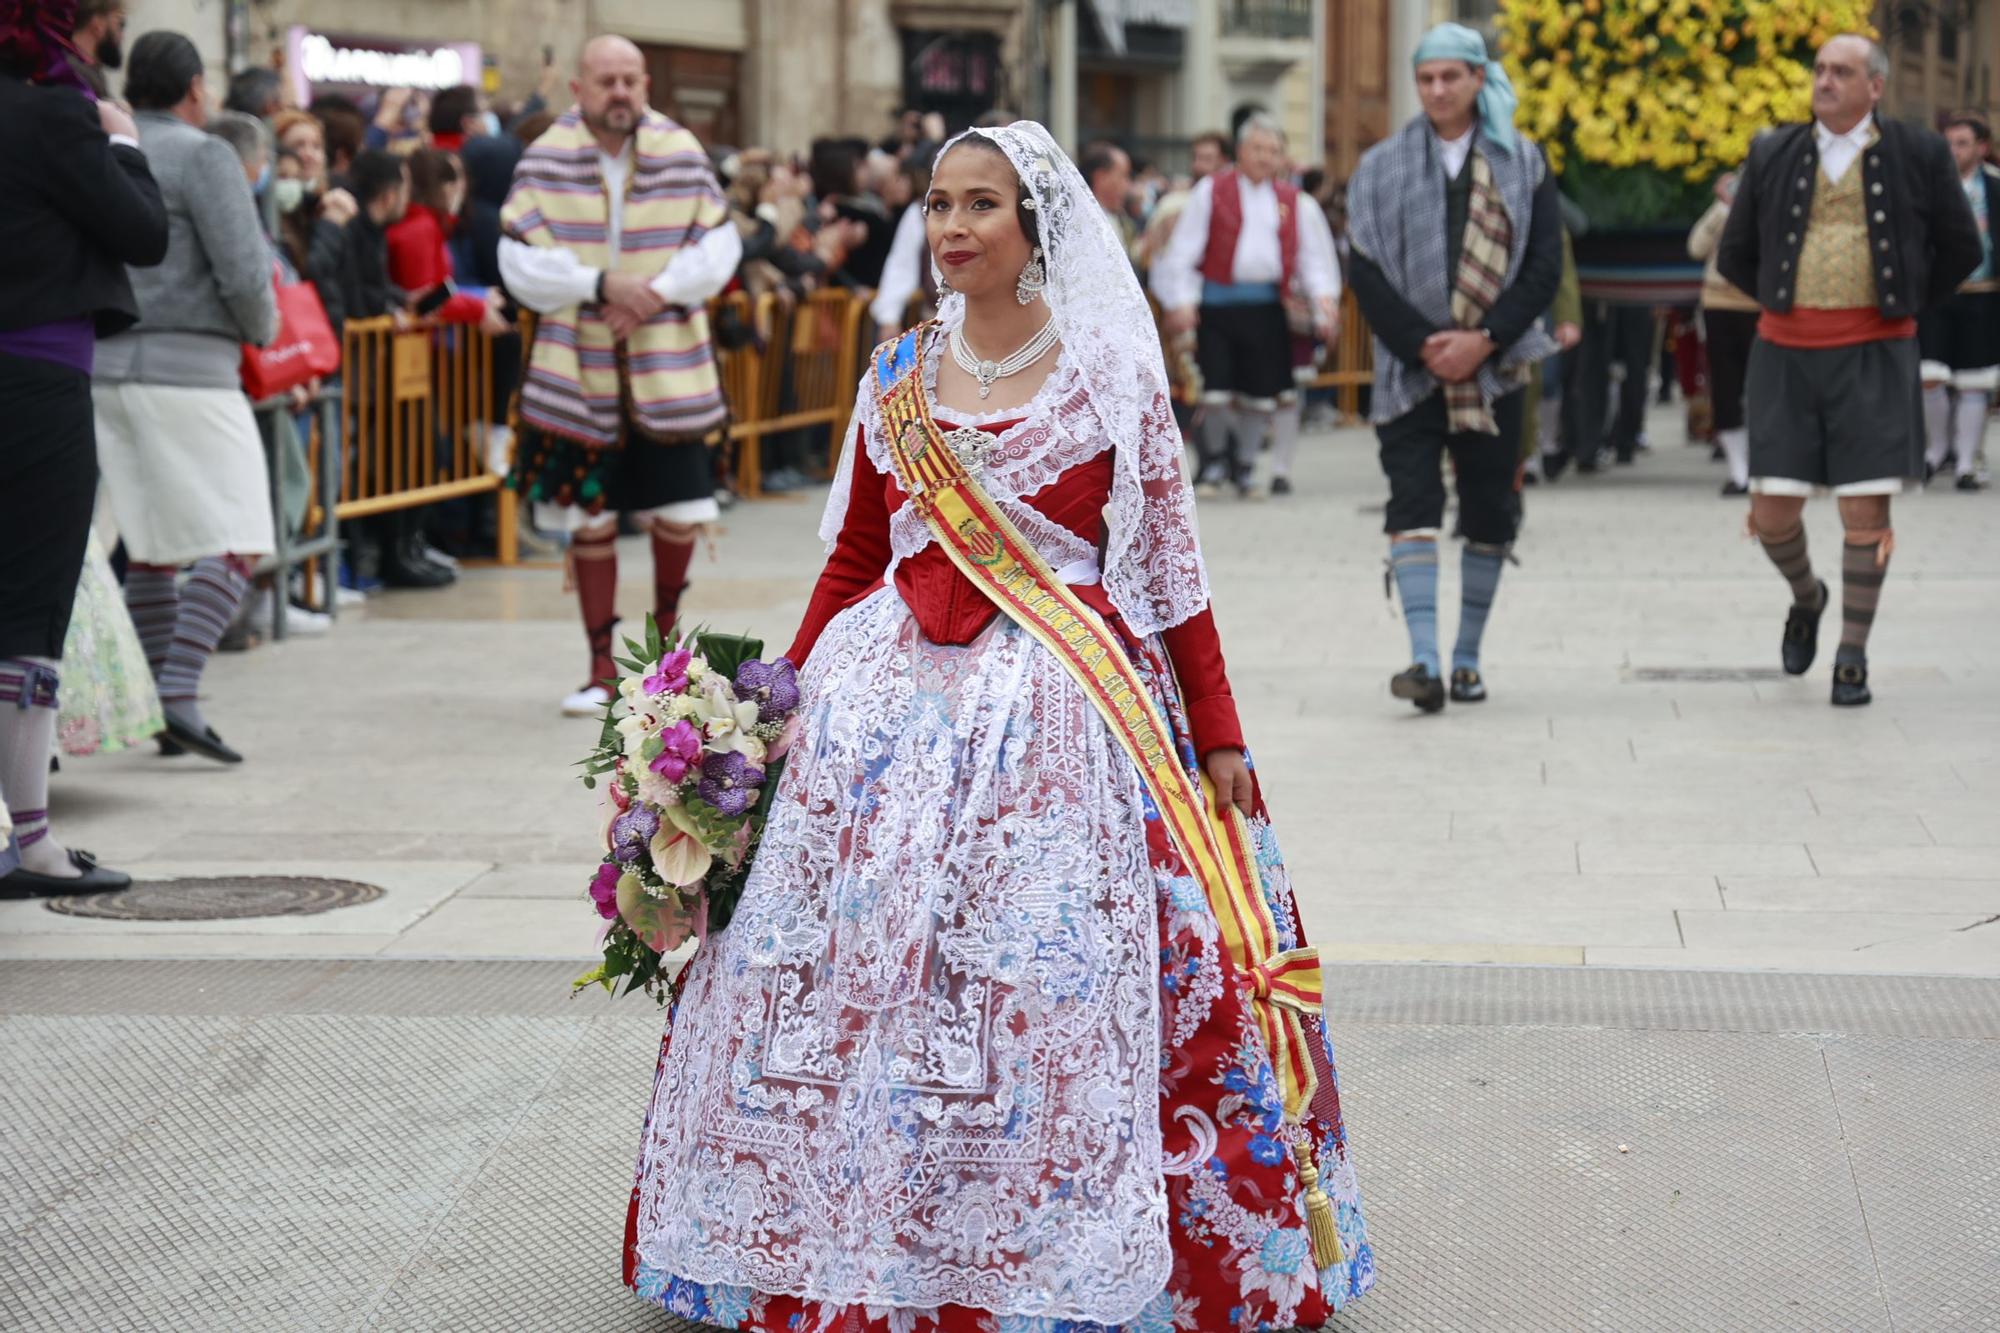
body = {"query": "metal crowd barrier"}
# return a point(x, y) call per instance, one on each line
point(316, 545)
point(417, 403)
point(798, 371)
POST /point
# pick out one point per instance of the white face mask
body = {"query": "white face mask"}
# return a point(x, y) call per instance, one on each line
point(489, 122)
point(289, 194)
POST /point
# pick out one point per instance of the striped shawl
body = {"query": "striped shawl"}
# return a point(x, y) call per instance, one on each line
point(580, 385)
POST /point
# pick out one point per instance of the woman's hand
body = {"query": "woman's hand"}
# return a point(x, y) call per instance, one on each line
point(1231, 776)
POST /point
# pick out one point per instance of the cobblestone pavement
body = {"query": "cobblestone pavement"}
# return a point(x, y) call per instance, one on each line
point(203, 1145)
point(1644, 787)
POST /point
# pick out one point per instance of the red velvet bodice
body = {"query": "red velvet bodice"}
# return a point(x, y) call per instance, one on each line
point(950, 610)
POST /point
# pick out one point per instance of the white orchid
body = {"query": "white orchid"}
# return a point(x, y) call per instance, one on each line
point(727, 724)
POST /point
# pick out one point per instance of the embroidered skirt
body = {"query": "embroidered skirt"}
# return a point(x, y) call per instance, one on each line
point(969, 1050)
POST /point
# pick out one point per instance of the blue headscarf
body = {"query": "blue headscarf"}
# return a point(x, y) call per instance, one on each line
point(1455, 41)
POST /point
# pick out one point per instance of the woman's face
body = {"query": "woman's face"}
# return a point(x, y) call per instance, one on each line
point(306, 141)
point(973, 224)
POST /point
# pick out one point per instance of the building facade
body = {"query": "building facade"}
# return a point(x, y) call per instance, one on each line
point(1149, 73)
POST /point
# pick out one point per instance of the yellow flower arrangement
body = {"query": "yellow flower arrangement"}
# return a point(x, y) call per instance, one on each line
point(1640, 103)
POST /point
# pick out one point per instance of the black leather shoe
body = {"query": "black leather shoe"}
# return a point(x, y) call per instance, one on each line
point(1968, 482)
point(94, 878)
point(1801, 642)
point(1466, 686)
point(1733, 488)
point(1281, 485)
point(169, 747)
point(204, 742)
point(1420, 687)
point(1850, 684)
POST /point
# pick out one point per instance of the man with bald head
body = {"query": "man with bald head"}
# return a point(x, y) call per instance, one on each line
point(1844, 229)
point(616, 233)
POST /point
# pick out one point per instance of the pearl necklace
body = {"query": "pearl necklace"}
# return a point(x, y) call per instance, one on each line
point(988, 372)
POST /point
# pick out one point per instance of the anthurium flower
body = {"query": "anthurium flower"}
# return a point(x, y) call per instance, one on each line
point(663, 923)
point(678, 855)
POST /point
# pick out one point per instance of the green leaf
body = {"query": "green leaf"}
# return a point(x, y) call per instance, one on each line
point(727, 653)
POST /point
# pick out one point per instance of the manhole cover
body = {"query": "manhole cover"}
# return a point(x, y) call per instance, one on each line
point(1705, 675)
point(221, 898)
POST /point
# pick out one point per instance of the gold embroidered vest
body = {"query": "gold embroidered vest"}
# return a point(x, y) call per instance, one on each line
point(1834, 270)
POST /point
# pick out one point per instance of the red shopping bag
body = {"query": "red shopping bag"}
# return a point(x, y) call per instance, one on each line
point(304, 348)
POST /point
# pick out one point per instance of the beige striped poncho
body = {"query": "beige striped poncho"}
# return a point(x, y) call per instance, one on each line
point(579, 384)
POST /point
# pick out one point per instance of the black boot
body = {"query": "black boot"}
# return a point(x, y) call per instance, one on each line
point(1467, 686)
point(1801, 642)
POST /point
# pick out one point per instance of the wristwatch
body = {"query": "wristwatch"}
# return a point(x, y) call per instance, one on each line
point(604, 273)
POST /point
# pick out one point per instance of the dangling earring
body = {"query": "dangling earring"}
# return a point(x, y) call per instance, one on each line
point(1033, 278)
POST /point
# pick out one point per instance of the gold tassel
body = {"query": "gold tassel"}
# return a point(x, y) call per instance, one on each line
point(1319, 1212)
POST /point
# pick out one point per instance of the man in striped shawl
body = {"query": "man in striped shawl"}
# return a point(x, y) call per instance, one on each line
point(1456, 233)
point(617, 233)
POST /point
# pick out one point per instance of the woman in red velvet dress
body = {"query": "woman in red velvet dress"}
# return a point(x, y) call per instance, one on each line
point(969, 1057)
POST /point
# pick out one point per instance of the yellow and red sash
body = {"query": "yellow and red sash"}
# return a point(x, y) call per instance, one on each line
point(1215, 845)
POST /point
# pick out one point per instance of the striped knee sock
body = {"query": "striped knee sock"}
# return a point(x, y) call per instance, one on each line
point(208, 603)
point(27, 726)
point(1788, 552)
point(153, 597)
point(1415, 564)
point(1861, 573)
point(1478, 578)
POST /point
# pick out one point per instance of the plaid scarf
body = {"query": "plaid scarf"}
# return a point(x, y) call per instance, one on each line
point(1481, 277)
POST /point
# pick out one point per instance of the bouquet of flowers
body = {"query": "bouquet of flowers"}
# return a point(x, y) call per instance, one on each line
point(693, 741)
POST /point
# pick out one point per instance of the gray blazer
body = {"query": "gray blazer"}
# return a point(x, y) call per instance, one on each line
point(217, 274)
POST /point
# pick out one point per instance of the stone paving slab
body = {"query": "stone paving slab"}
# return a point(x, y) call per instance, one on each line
point(431, 1145)
point(1640, 755)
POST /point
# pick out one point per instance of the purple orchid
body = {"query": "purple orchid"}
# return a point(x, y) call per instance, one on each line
point(632, 831)
point(683, 747)
point(772, 686)
point(670, 676)
point(729, 782)
point(604, 890)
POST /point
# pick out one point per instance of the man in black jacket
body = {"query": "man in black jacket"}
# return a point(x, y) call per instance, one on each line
point(380, 183)
point(1844, 229)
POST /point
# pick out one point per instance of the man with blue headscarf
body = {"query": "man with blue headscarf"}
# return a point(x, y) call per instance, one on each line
point(1456, 233)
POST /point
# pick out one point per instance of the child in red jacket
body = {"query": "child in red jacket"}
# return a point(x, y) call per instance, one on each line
point(418, 258)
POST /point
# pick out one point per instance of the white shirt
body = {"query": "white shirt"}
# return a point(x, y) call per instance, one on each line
point(1177, 275)
point(1837, 152)
point(549, 278)
point(1455, 152)
point(902, 272)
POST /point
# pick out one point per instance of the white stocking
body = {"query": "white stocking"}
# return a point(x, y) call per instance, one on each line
point(1937, 423)
point(1968, 426)
point(1285, 424)
point(1736, 450)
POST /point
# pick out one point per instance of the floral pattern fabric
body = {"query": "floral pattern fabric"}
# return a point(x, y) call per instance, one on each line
point(107, 701)
point(969, 1056)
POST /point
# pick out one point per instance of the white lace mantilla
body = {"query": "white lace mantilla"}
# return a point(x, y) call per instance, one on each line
point(1108, 391)
point(921, 1066)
